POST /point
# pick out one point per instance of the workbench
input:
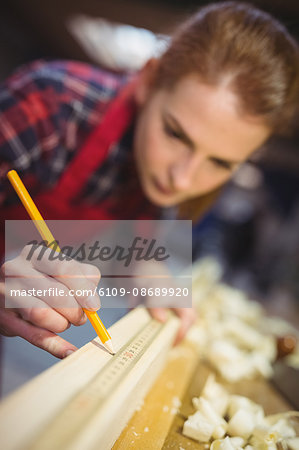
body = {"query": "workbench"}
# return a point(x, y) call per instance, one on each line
point(77, 404)
point(184, 377)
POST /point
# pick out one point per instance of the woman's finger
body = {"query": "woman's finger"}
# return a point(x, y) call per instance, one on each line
point(70, 273)
point(188, 317)
point(158, 314)
point(12, 325)
point(43, 316)
point(50, 292)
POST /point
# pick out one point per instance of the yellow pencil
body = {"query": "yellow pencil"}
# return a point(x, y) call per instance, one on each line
point(47, 236)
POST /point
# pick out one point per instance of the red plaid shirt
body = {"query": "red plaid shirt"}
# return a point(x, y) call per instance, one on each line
point(47, 110)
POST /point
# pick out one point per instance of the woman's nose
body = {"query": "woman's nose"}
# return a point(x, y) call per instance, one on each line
point(183, 172)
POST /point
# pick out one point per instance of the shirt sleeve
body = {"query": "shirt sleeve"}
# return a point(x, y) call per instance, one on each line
point(47, 109)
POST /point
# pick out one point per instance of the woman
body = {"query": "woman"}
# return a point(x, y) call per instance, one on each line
point(123, 148)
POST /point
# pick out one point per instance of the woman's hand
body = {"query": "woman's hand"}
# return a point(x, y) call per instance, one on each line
point(37, 318)
point(187, 316)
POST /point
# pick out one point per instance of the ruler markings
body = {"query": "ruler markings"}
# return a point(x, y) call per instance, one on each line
point(84, 404)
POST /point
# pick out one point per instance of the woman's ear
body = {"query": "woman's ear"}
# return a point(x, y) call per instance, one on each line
point(146, 78)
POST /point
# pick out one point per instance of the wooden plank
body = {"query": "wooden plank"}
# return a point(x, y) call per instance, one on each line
point(33, 408)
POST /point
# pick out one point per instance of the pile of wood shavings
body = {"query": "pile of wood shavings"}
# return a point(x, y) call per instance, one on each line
point(229, 331)
point(233, 422)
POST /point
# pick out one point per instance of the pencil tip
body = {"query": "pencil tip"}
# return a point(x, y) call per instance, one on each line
point(109, 346)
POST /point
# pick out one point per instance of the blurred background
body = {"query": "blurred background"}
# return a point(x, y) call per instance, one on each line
point(252, 229)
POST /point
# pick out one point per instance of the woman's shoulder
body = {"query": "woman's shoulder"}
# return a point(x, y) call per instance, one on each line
point(63, 75)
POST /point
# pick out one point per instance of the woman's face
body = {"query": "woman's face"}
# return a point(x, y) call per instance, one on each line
point(190, 139)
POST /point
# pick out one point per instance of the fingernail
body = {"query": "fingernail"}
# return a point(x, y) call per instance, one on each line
point(68, 353)
point(161, 315)
point(93, 302)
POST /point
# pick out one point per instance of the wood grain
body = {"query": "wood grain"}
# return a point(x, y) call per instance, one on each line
point(184, 377)
point(149, 427)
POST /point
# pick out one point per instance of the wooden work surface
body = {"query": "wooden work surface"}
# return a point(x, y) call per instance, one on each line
point(158, 425)
point(67, 407)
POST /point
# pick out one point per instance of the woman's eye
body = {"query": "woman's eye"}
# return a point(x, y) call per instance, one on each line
point(222, 164)
point(172, 132)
